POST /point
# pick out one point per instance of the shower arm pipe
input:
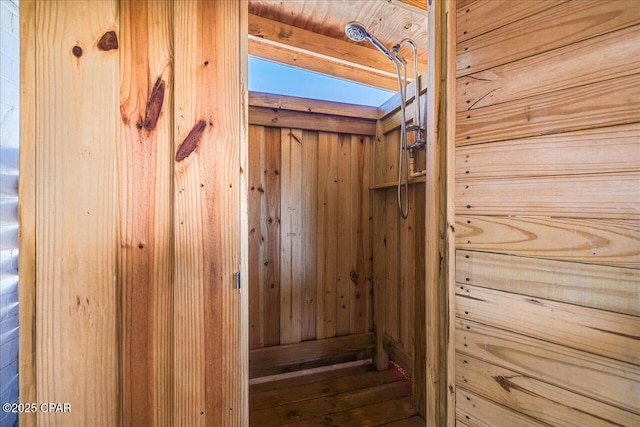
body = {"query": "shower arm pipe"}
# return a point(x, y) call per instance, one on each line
point(416, 79)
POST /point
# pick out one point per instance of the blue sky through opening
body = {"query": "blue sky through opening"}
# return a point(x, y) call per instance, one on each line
point(272, 77)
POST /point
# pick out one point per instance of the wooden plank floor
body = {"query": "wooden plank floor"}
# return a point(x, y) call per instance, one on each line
point(351, 396)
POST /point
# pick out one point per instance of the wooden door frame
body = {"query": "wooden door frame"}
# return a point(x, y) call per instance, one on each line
point(439, 327)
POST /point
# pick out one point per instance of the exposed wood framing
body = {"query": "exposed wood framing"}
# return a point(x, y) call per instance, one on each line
point(310, 121)
point(290, 45)
point(292, 103)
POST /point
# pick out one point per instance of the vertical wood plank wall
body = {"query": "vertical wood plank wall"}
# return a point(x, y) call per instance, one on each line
point(135, 115)
point(309, 224)
point(399, 252)
point(548, 213)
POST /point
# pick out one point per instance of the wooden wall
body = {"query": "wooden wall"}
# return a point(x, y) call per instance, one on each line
point(133, 126)
point(548, 213)
point(309, 232)
point(398, 246)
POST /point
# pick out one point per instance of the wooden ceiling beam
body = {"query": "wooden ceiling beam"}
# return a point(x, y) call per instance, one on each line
point(290, 45)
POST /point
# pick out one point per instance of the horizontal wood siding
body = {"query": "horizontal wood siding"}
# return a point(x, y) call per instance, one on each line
point(310, 274)
point(547, 213)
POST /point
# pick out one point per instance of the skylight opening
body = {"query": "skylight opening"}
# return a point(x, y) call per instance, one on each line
point(272, 77)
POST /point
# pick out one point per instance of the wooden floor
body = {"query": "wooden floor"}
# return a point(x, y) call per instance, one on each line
point(352, 396)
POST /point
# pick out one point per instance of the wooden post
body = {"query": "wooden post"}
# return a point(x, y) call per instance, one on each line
point(439, 214)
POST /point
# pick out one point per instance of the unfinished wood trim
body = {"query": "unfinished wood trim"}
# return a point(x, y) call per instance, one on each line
point(575, 65)
point(292, 103)
point(243, 122)
point(605, 150)
point(547, 403)
point(610, 196)
point(450, 218)
point(146, 174)
point(608, 334)
point(77, 134)
point(477, 17)
point(553, 363)
point(307, 351)
point(209, 120)
point(398, 354)
point(27, 212)
point(392, 105)
point(601, 104)
point(479, 411)
point(294, 46)
point(435, 381)
point(596, 286)
point(550, 29)
point(310, 121)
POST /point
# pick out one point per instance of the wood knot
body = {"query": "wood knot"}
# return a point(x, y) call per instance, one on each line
point(77, 51)
point(108, 41)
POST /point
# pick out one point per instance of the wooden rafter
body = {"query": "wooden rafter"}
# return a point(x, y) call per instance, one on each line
point(273, 40)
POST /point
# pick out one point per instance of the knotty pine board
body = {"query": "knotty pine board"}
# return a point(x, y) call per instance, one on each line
point(600, 332)
point(555, 364)
point(477, 411)
point(146, 211)
point(593, 241)
point(607, 103)
point(77, 135)
point(548, 403)
point(550, 29)
point(210, 60)
point(601, 58)
point(596, 286)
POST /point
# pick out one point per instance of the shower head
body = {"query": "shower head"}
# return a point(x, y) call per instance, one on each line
point(356, 32)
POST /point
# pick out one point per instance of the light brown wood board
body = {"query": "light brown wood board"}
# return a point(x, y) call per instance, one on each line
point(146, 212)
point(310, 121)
point(594, 241)
point(606, 103)
point(596, 59)
point(27, 196)
point(600, 332)
point(208, 135)
point(602, 196)
point(556, 364)
point(476, 17)
point(550, 29)
point(76, 212)
point(596, 286)
point(547, 403)
point(476, 411)
point(605, 150)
